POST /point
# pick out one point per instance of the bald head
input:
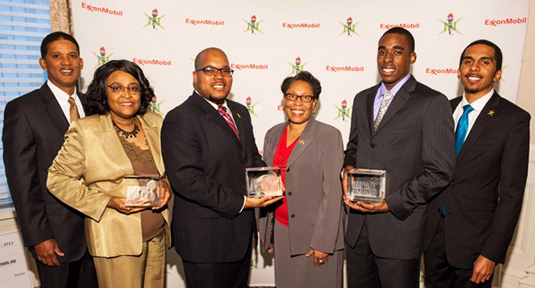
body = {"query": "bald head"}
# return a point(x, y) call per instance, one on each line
point(211, 51)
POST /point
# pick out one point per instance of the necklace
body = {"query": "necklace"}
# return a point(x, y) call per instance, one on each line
point(127, 134)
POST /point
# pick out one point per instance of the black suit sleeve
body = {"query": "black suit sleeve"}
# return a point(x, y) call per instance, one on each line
point(514, 168)
point(20, 159)
point(184, 160)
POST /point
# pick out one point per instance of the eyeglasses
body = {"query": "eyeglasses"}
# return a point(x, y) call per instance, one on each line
point(134, 89)
point(212, 71)
point(304, 98)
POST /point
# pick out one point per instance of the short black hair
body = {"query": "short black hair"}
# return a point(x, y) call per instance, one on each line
point(404, 32)
point(498, 56)
point(303, 76)
point(54, 36)
point(97, 92)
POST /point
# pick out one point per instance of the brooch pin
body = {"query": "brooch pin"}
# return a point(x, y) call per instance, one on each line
point(302, 142)
point(491, 112)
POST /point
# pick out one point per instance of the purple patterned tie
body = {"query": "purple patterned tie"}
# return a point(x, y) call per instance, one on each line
point(223, 111)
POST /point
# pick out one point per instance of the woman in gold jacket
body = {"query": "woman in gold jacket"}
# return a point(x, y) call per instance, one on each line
point(121, 137)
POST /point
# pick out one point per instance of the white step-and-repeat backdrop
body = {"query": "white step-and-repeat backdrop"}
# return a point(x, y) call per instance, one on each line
point(269, 40)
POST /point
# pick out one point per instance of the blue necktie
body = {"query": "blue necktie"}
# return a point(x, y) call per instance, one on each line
point(462, 128)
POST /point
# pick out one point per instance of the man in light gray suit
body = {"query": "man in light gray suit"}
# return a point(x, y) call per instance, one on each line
point(405, 128)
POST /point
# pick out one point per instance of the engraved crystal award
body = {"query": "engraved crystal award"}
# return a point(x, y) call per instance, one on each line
point(367, 185)
point(263, 181)
point(142, 191)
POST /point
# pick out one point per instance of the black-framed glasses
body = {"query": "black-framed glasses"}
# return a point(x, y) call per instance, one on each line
point(304, 98)
point(212, 71)
point(117, 88)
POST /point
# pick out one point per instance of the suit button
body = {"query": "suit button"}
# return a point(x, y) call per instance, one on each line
point(372, 145)
point(289, 193)
point(292, 216)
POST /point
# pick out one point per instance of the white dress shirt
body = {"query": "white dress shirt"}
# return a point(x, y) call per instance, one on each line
point(63, 100)
point(478, 106)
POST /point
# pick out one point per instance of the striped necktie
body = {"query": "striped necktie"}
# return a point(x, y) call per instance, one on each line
point(223, 111)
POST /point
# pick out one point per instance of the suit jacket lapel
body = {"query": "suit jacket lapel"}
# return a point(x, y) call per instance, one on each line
point(153, 139)
point(239, 125)
point(398, 102)
point(54, 110)
point(370, 99)
point(482, 121)
point(306, 138)
point(113, 147)
point(211, 115)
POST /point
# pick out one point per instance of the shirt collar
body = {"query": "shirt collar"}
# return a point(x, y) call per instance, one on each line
point(480, 103)
point(60, 94)
point(396, 88)
point(213, 104)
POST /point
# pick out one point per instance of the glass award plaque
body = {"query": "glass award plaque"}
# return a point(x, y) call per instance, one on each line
point(366, 185)
point(263, 181)
point(142, 191)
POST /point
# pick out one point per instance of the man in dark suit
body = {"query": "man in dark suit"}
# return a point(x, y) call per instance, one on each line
point(403, 127)
point(470, 224)
point(34, 125)
point(207, 142)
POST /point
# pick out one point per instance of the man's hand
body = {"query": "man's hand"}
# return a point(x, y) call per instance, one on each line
point(46, 252)
point(320, 258)
point(483, 269)
point(166, 195)
point(368, 207)
point(260, 202)
point(118, 204)
point(344, 179)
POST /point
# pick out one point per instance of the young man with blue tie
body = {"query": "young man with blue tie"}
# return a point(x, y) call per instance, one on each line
point(471, 223)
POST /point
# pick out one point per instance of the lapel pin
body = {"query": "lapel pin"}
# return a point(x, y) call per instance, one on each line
point(239, 116)
point(491, 112)
point(302, 142)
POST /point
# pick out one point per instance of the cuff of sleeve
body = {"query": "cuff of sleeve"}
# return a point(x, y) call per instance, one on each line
point(243, 205)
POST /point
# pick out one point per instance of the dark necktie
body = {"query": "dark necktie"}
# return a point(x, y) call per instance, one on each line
point(73, 110)
point(223, 111)
point(462, 128)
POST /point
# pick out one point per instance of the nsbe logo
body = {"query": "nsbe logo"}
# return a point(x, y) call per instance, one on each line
point(154, 20)
point(253, 25)
point(102, 57)
point(343, 111)
point(349, 27)
point(297, 67)
point(154, 105)
point(250, 106)
point(450, 25)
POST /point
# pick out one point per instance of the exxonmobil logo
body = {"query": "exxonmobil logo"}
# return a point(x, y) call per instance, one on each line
point(507, 21)
point(438, 71)
point(402, 25)
point(104, 10)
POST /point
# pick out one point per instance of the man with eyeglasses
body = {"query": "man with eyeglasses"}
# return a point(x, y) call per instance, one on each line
point(207, 142)
point(405, 128)
point(34, 128)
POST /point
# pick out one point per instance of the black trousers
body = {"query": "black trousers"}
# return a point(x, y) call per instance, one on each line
point(80, 273)
point(439, 273)
point(218, 275)
point(365, 270)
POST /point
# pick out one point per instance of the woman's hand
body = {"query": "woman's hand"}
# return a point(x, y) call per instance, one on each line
point(320, 258)
point(118, 204)
point(166, 195)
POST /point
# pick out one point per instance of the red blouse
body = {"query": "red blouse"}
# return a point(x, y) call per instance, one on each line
point(280, 160)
